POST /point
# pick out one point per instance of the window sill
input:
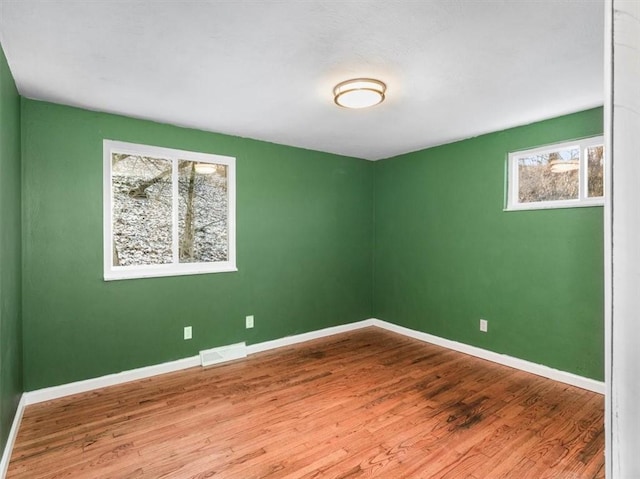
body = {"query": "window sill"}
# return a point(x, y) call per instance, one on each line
point(139, 273)
point(555, 205)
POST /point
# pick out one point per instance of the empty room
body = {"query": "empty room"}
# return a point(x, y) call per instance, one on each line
point(316, 239)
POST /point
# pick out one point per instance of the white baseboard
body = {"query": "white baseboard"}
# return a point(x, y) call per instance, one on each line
point(538, 369)
point(68, 389)
point(13, 433)
point(56, 392)
point(301, 338)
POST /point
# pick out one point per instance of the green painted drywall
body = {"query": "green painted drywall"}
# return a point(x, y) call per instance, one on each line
point(304, 248)
point(446, 254)
point(10, 255)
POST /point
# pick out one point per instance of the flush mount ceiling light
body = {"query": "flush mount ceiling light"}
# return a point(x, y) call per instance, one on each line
point(359, 93)
point(205, 168)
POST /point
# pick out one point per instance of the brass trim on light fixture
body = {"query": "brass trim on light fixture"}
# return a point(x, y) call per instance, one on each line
point(348, 87)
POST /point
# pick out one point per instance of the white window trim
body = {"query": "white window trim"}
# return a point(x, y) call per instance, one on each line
point(174, 269)
point(582, 201)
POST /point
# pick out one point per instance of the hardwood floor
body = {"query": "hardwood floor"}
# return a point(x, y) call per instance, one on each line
point(363, 404)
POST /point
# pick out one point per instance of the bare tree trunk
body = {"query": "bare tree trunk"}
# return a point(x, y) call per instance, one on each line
point(116, 258)
point(186, 242)
point(140, 191)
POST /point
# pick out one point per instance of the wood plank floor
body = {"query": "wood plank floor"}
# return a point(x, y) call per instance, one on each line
point(363, 404)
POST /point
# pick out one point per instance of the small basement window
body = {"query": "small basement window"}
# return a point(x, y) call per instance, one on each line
point(167, 212)
point(562, 175)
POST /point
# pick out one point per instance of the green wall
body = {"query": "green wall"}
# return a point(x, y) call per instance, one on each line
point(305, 236)
point(10, 255)
point(446, 254)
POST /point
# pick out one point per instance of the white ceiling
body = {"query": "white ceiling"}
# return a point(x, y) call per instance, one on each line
point(266, 69)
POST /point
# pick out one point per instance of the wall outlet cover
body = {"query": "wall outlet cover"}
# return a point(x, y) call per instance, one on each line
point(484, 325)
point(188, 332)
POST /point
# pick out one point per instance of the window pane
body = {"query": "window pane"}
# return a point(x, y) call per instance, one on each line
point(595, 170)
point(203, 213)
point(141, 188)
point(549, 176)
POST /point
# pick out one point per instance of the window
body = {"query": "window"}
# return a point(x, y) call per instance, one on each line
point(167, 212)
point(557, 176)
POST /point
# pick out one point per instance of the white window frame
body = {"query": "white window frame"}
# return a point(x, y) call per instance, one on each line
point(583, 200)
point(175, 268)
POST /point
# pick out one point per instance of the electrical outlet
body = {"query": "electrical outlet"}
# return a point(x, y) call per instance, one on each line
point(188, 332)
point(249, 321)
point(484, 324)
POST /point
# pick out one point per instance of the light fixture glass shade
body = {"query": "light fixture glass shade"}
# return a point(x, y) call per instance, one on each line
point(359, 93)
point(205, 168)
